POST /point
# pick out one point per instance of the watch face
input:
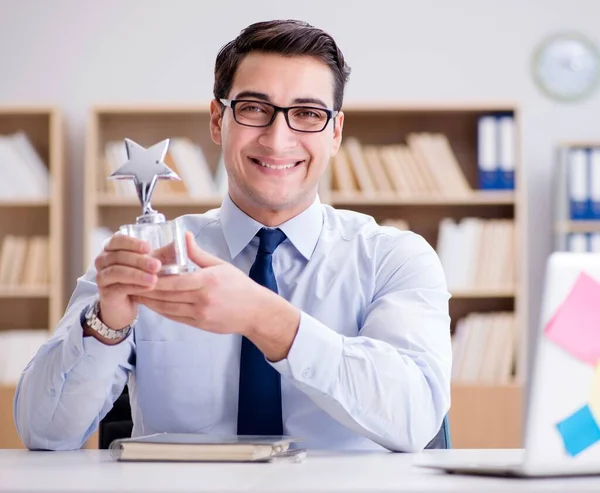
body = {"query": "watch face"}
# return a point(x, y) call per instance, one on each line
point(566, 67)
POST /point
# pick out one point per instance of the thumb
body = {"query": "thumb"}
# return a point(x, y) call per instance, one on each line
point(200, 257)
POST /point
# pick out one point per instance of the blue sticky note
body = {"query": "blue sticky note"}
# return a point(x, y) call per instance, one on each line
point(579, 431)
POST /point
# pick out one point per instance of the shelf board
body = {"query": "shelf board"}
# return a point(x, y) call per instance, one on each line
point(149, 109)
point(483, 293)
point(108, 200)
point(203, 107)
point(475, 198)
point(592, 226)
point(24, 202)
point(24, 291)
point(27, 110)
point(335, 198)
point(428, 106)
point(579, 143)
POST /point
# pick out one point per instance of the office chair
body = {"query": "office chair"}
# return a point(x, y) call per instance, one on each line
point(442, 439)
point(117, 423)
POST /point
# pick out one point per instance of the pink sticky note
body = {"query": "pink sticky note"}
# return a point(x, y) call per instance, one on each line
point(575, 326)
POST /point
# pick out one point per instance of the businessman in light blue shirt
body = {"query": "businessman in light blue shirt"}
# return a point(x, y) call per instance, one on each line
point(350, 319)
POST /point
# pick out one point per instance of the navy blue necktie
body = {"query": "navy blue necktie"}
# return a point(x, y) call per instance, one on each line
point(259, 405)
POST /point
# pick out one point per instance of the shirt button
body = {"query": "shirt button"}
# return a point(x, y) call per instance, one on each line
point(52, 392)
point(307, 372)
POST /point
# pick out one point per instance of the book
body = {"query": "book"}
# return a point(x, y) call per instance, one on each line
point(594, 182)
point(191, 447)
point(487, 153)
point(506, 152)
point(578, 184)
point(484, 348)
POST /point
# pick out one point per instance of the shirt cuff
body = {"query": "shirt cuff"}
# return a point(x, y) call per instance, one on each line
point(315, 355)
point(75, 347)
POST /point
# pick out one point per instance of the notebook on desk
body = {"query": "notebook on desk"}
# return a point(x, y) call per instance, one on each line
point(170, 447)
point(562, 423)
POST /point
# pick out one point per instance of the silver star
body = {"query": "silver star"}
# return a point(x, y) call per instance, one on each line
point(144, 167)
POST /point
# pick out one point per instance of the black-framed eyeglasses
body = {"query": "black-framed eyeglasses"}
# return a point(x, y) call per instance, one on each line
point(252, 113)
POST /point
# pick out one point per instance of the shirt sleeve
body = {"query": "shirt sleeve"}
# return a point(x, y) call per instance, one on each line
point(391, 383)
point(72, 382)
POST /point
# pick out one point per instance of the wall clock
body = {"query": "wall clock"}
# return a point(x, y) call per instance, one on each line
point(566, 66)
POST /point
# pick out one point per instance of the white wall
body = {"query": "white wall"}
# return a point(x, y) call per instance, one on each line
point(75, 53)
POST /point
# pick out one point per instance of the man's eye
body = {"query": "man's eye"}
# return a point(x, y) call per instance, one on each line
point(252, 109)
point(309, 114)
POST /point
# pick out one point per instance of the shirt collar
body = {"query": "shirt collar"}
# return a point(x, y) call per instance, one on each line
point(303, 230)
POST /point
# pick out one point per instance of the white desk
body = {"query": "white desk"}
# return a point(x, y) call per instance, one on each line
point(95, 471)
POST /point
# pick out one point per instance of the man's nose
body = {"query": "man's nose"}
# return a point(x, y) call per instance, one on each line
point(278, 135)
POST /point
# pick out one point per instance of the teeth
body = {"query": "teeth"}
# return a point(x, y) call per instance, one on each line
point(281, 166)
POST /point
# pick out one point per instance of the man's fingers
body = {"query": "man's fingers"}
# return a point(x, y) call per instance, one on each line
point(123, 242)
point(130, 289)
point(166, 308)
point(129, 259)
point(120, 274)
point(186, 282)
point(165, 254)
point(199, 256)
point(173, 296)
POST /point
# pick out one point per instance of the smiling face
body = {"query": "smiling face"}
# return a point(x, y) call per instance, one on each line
point(274, 171)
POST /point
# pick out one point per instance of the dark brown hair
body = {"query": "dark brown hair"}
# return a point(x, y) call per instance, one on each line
point(282, 37)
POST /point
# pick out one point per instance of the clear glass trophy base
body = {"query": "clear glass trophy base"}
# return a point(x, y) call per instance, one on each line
point(167, 240)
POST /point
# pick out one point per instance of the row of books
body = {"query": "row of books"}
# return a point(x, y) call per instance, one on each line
point(484, 348)
point(477, 253)
point(17, 348)
point(184, 157)
point(25, 176)
point(580, 181)
point(496, 152)
point(425, 166)
point(24, 261)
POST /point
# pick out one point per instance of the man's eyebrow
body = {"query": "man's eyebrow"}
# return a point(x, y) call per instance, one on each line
point(265, 97)
point(253, 94)
point(316, 101)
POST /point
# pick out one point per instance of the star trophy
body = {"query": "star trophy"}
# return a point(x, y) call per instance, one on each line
point(167, 238)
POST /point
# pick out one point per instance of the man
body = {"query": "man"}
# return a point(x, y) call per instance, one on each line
point(301, 320)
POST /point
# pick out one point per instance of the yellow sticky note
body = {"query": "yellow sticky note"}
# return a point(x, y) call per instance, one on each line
point(594, 402)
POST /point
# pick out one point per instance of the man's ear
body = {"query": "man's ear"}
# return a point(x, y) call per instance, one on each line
point(337, 133)
point(216, 121)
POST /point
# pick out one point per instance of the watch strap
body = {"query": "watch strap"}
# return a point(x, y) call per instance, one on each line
point(90, 316)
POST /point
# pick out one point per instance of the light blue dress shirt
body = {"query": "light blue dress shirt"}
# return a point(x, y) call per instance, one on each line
point(369, 367)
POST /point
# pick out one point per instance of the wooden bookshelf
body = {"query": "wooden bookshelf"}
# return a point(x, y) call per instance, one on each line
point(33, 306)
point(375, 125)
point(566, 227)
point(476, 409)
point(498, 419)
point(147, 126)
point(492, 198)
point(483, 293)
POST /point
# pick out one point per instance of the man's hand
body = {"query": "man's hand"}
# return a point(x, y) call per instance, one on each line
point(222, 299)
point(124, 268)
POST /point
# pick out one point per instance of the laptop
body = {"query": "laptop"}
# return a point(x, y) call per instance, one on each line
point(561, 434)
